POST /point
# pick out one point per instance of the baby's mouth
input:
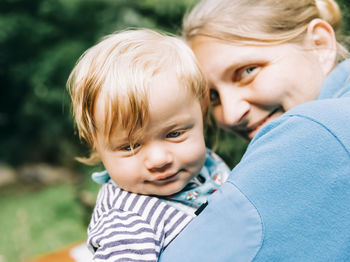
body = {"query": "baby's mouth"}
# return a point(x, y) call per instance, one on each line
point(166, 178)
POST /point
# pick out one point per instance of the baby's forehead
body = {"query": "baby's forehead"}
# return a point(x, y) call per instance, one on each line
point(126, 97)
point(126, 118)
point(119, 113)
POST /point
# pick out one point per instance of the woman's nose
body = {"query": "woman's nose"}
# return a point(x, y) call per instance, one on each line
point(232, 109)
point(158, 157)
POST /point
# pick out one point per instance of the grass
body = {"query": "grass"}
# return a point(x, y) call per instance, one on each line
point(39, 220)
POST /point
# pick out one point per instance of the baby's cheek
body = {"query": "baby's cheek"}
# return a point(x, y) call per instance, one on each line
point(197, 158)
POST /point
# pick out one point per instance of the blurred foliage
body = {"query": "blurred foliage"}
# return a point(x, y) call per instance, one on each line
point(40, 41)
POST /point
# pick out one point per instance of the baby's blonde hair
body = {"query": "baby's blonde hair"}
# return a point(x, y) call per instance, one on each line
point(119, 70)
point(260, 22)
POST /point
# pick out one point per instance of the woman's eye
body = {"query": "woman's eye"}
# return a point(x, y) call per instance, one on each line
point(248, 71)
point(245, 73)
point(214, 97)
point(174, 134)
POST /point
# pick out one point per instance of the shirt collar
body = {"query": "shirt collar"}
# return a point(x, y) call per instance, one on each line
point(337, 84)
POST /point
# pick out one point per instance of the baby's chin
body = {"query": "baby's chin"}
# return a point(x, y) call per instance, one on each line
point(162, 191)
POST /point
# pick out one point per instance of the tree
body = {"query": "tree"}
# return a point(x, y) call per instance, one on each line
point(41, 40)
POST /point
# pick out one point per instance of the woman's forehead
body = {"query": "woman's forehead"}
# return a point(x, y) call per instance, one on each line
point(216, 54)
point(207, 49)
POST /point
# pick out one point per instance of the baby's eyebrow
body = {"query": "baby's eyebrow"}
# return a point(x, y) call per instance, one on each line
point(179, 121)
point(183, 124)
point(116, 140)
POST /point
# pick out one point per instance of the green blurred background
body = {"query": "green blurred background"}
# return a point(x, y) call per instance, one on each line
point(46, 197)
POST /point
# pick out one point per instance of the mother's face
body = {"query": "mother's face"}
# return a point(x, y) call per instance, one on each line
point(252, 85)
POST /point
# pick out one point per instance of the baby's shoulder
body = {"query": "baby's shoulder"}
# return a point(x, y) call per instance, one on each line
point(111, 197)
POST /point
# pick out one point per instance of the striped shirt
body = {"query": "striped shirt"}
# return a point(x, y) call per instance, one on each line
point(131, 227)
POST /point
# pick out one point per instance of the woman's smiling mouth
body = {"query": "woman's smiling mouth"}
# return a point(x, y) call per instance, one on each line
point(253, 129)
point(248, 132)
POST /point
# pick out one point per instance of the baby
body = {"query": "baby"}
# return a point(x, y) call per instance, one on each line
point(139, 101)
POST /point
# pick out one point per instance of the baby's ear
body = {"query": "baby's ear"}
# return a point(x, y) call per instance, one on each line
point(320, 38)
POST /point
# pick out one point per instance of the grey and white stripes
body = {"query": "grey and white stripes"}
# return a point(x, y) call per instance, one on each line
point(131, 227)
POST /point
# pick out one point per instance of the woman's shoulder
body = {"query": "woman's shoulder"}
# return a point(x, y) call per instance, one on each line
point(323, 109)
point(330, 114)
point(319, 120)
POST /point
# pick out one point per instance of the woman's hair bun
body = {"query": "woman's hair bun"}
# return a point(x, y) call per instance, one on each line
point(329, 11)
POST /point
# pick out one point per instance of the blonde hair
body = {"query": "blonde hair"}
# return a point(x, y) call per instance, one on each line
point(119, 70)
point(260, 22)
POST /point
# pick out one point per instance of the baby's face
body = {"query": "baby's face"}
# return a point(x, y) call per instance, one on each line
point(171, 149)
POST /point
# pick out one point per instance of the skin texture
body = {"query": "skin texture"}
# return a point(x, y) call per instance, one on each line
point(252, 85)
point(171, 148)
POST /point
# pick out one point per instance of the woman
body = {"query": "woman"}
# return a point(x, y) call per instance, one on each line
point(275, 80)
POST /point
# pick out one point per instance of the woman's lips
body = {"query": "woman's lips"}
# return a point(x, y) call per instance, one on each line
point(261, 122)
point(248, 132)
point(253, 129)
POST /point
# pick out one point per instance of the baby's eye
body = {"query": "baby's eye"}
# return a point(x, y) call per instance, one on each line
point(130, 147)
point(174, 134)
point(214, 97)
